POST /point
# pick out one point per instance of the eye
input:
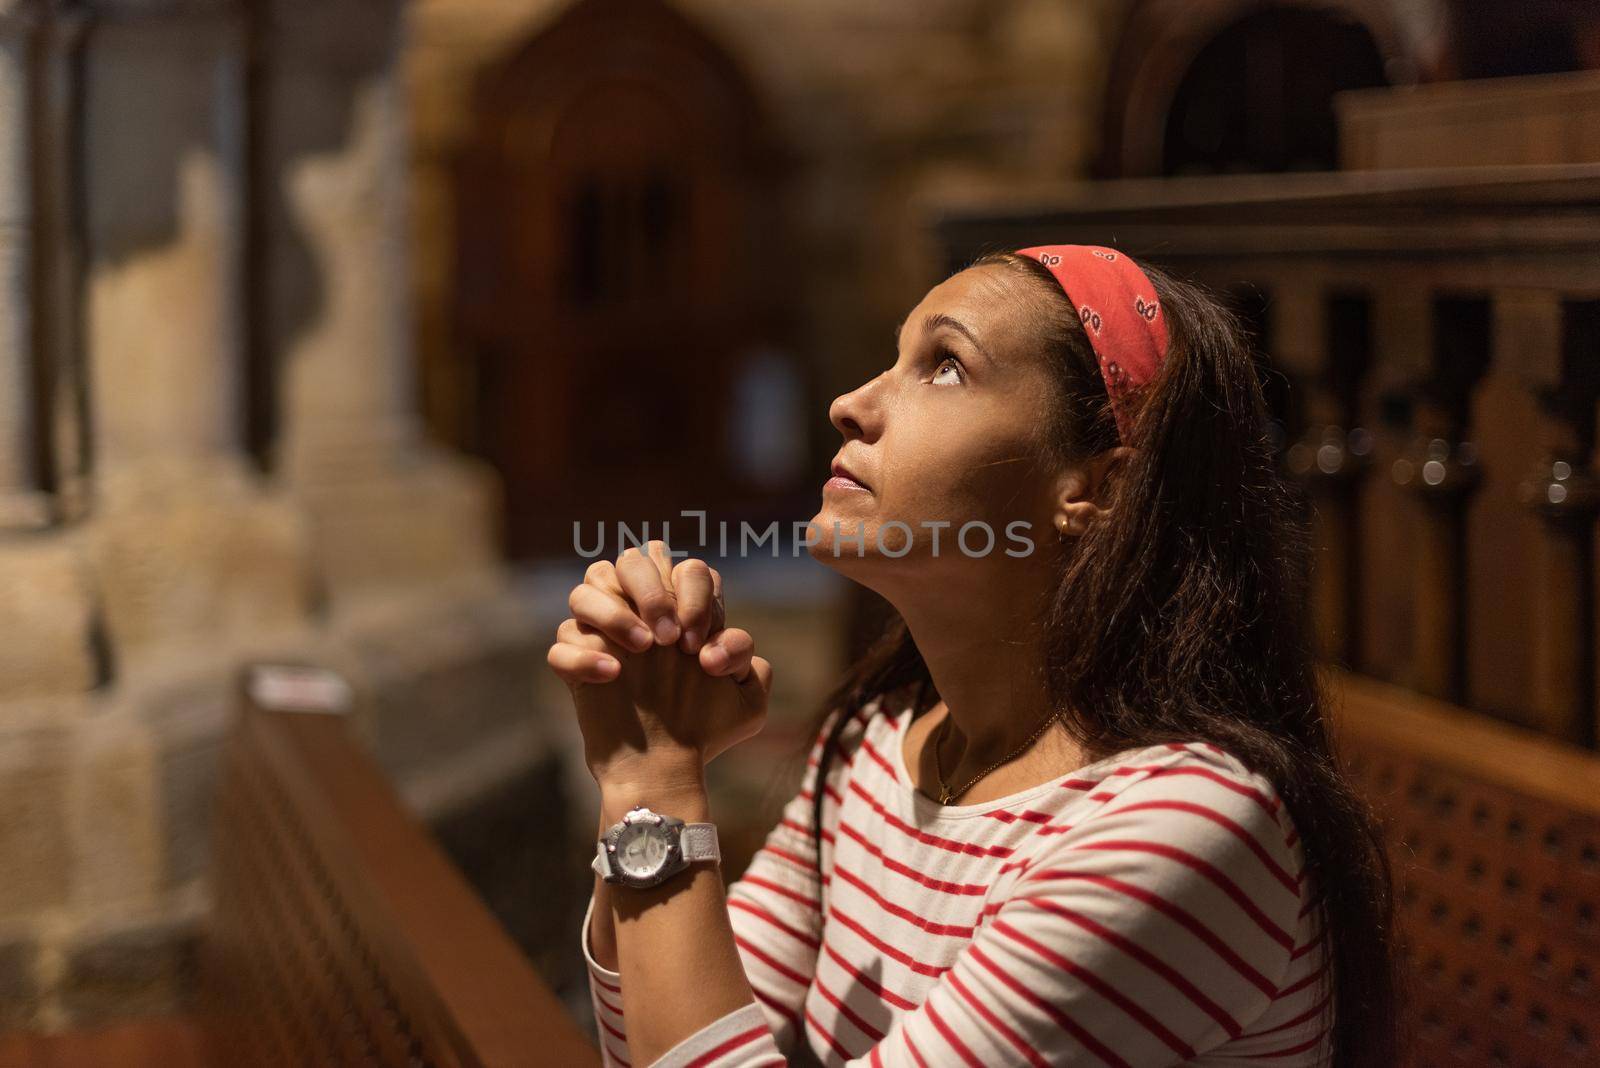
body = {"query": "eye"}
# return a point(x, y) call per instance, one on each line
point(948, 360)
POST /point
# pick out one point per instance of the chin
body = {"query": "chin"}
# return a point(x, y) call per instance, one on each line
point(823, 522)
point(866, 571)
point(855, 558)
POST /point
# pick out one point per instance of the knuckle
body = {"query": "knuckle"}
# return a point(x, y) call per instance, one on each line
point(691, 566)
point(657, 602)
point(587, 638)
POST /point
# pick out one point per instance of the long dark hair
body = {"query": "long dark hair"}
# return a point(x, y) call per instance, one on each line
point(1183, 618)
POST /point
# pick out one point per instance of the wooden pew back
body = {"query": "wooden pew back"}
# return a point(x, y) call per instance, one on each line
point(341, 933)
point(1494, 835)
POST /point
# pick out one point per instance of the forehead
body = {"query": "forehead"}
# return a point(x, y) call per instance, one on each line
point(996, 303)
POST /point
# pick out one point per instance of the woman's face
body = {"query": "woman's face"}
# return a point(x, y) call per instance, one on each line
point(951, 433)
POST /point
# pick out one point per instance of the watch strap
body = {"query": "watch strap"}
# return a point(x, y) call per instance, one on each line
point(699, 842)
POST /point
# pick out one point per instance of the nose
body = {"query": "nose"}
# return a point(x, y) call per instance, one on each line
point(857, 414)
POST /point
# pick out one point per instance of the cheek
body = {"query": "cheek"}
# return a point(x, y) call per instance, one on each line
point(960, 469)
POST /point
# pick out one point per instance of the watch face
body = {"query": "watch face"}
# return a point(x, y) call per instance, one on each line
point(641, 849)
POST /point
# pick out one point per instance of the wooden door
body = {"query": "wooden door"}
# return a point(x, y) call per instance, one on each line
point(622, 256)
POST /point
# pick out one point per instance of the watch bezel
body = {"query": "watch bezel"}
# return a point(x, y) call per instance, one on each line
point(670, 865)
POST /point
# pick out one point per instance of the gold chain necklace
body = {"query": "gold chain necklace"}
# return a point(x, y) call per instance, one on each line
point(945, 793)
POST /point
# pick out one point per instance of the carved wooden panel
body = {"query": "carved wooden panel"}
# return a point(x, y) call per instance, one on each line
point(1495, 841)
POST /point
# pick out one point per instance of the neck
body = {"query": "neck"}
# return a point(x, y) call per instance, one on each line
point(984, 646)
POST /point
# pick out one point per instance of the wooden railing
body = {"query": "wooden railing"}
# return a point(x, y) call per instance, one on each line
point(341, 933)
point(1432, 340)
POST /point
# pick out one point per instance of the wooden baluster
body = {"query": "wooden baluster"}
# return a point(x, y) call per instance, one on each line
point(1321, 343)
point(1384, 633)
point(1440, 470)
point(1402, 337)
point(1542, 337)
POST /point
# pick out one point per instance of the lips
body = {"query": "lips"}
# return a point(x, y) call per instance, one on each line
point(841, 470)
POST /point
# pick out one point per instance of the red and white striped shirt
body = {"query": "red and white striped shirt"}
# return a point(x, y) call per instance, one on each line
point(1144, 910)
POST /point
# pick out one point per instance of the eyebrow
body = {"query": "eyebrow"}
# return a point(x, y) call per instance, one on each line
point(938, 319)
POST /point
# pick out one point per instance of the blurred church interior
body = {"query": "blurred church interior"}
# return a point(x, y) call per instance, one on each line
point(323, 322)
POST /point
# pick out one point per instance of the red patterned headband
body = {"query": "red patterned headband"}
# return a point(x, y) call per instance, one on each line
point(1120, 314)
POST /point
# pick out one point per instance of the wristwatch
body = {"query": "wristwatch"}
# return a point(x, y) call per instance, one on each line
point(645, 848)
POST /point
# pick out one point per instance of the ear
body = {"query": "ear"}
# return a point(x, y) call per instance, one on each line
point(1074, 500)
point(1081, 487)
point(1106, 466)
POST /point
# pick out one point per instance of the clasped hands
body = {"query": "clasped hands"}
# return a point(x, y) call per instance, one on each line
point(659, 683)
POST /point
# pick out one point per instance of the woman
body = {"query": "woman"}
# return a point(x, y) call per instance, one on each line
point(1078, 804)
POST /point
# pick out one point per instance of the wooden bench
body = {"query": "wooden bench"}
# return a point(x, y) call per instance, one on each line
point(1494, 834)
point(340, 933)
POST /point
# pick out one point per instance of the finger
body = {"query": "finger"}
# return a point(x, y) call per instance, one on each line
point(574, 665)
point(699, 611)
point(660, 555)
point(728, 652)
point(602, 574)
point(584, 636)
point(716, 595)
point(757, 683)
point(611, 614)
point(648, 588)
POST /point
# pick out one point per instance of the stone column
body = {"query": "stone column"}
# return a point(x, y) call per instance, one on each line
point(22, 506)
point(387, 509)
point(45, 601)
point(60, 260)
point(187, 545)
point(164, 110)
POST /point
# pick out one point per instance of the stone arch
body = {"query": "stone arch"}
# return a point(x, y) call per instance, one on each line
point(1161, 39)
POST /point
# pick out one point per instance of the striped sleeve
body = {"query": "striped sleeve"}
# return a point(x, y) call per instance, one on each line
point(1151, 932)
point(605, 997)
point(743, 1037)
point(775, 911)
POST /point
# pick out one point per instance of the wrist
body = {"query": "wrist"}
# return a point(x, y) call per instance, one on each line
point(688, 801)
point(676, 769)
